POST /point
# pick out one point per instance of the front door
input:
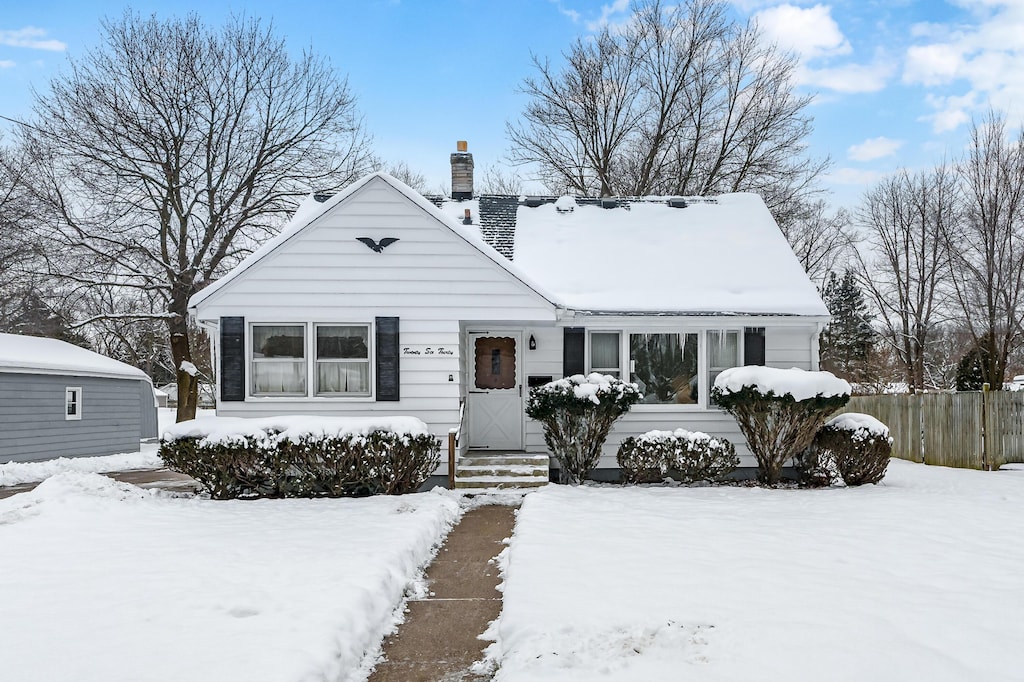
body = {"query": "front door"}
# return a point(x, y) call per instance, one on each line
point(495, 391)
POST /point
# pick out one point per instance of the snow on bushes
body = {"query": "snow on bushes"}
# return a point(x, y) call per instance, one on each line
point(854, 447)
point(299, 456)
point(778, 410)
point(686, 456)
point(577, 413)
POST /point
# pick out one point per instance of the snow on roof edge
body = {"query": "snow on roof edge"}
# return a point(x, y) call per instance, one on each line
point(20, 354)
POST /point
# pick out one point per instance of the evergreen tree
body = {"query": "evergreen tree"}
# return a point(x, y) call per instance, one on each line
point(970, 371)
point(847, 341)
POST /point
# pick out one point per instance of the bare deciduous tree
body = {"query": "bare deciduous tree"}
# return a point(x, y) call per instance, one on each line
point(987, 246)
point(823, 242)
point(682, 100)
point(906, 218)
point(173, 148)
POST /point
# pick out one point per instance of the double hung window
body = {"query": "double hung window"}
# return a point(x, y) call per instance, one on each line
point(342, 360)
point(279, 359)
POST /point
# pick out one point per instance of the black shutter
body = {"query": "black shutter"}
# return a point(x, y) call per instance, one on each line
point(573, 339)
point(753, 346)
point(232, 358)
point(387, 359)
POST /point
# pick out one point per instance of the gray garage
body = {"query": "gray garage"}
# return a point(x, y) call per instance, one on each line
point(60, 400)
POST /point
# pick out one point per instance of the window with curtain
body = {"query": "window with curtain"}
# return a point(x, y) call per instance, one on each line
point(343, 360)
point(279, 359)
point(723, 352)
point(604, 353)
point(664, 366)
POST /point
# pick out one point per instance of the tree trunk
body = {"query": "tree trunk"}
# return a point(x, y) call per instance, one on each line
point(181, 351)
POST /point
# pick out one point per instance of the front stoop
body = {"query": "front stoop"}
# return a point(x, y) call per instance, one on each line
point(501, 471)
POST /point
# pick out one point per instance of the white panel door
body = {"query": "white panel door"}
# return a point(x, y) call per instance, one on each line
point(495, 391)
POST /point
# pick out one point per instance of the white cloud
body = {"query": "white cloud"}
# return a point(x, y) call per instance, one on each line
point(849, 78)
point(607, 12)
point(573, 15)
point(812, 32)
point(874, 148)
point(31, 37)
point(931, 65)
point(950, 112)
point(853, 176)
point(6, 64)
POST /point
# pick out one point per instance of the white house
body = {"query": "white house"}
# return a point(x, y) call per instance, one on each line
point(379, 300)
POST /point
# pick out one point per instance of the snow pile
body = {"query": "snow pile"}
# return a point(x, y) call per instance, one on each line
point(739, 584)
point(565, 204)
point(798, 383)
point(110, 578)
point(224, 430)
point(679, 434)
point(188, 368)
point(863, 425)
point(591, 387)
point(16, 473)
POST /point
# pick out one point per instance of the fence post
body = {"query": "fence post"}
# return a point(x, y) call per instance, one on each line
point(984, 428)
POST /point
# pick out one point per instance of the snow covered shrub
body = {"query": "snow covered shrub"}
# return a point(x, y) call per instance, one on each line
point(302, 456)
point(577, 413)
point(858, 444)
point(815, 468)
point(686, 456)
point(778, 410)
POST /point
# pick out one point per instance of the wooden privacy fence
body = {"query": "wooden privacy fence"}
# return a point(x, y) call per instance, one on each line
point(973, 430)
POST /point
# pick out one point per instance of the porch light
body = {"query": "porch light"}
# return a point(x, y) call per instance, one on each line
point(533, 343)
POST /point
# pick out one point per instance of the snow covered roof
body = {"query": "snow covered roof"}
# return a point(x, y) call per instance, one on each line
point(313, 208)
point(724, 255)
point(718, 256)
point(37, 355)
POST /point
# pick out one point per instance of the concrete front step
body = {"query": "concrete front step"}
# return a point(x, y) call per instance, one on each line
point(499, 482)
point(505, 459)
point(510, 470)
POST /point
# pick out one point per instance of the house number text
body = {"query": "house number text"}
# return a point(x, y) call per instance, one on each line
point(429, 350)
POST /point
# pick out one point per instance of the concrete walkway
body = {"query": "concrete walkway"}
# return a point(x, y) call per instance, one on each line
point(438, 641)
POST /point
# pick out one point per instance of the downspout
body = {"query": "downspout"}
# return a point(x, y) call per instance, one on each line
point(815, 345)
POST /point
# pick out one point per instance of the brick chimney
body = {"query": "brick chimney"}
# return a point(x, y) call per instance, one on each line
point(462, 172)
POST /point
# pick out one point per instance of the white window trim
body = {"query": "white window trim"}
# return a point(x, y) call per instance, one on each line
point(370, 364)
point(77, 392)
point(590, 367)
point(310, 353)
point(703, 369)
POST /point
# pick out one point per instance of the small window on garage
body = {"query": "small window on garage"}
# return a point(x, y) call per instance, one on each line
point(73, 402)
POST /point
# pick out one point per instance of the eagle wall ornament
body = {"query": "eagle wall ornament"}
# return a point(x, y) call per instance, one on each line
point(377, 246)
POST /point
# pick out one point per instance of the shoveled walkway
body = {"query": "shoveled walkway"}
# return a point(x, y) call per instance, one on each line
point(438, 641)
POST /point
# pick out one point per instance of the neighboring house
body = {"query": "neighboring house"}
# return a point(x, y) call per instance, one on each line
point(206, 395)
point(60, 400)
point(377, 300)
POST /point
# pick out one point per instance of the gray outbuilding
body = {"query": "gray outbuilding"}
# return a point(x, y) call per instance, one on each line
point(60, 400)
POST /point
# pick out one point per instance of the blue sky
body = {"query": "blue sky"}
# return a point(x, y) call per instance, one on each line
point(896, 83)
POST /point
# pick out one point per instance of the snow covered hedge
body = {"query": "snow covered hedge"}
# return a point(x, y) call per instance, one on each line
point(778, 410)
point(852, 446)
point(302, 456)
point(686, 456)
point(577, 413)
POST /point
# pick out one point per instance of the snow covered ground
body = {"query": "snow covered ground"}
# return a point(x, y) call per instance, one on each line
point(919, 578)
point(105, 581)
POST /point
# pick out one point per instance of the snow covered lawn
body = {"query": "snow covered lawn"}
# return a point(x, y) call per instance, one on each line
point(919, 578)
point(105, 581)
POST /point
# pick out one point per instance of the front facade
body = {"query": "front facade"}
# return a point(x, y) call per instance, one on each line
point(59, 400)
point(378, 301)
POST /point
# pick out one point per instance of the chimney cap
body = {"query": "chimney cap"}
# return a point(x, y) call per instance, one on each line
point(461, 145)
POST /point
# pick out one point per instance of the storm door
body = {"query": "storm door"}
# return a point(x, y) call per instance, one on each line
point(495, 408)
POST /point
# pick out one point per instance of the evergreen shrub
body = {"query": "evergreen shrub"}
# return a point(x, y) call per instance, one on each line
point(577, 414)
point(856, 447)
point(379, 463)
point(685, 456)
point(778, 410)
